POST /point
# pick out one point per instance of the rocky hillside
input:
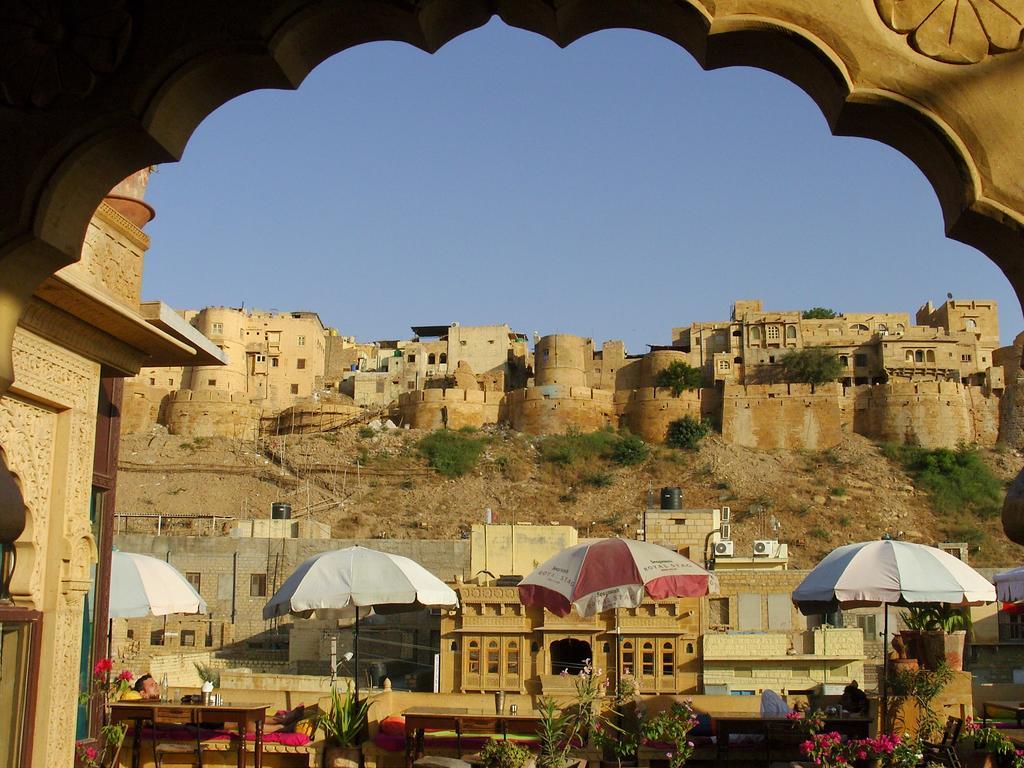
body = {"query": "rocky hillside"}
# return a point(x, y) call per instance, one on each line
point(367, 483)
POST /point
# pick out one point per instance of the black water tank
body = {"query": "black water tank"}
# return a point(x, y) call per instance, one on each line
point(280, 510)
point(672, 498)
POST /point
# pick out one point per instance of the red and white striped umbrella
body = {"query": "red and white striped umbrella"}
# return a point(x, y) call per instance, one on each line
point(612, 573)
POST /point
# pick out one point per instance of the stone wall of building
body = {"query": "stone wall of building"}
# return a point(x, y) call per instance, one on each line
point(317, 415)
point(788, 416)
point(211, 413)
point(452, 408)
point(647, 412)
point(142, 407)
point(554, 408)
point(930, 414)
point(1011, 407)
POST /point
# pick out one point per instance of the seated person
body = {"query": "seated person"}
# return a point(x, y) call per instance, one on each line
point(854, 699)
point(147, 687)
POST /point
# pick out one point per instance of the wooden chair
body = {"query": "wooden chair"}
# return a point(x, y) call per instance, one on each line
point(167, 717)
point(944, 752)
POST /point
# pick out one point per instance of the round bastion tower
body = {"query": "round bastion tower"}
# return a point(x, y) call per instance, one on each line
point(560, 359)
point(225, 327)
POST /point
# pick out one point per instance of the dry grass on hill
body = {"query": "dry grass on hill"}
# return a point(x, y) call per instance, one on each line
point(370, 485)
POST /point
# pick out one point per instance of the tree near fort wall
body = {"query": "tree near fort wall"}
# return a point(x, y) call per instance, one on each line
point(678, 376)
point(686, 433)
point(812, 365)
point(819, 313)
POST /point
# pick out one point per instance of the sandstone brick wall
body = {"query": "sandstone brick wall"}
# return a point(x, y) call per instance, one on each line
point(648, 411)
point(454, 408)
point(554, 408)
point(790, 416)
point(316, 416)
point(562, 359)
point(931, 414)
point(142, 407)
point(211, 413)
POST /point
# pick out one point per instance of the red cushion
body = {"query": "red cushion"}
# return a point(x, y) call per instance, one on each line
point(389, 742)
point(392, 726)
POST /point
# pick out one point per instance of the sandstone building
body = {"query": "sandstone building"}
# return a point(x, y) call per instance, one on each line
point(84, 331)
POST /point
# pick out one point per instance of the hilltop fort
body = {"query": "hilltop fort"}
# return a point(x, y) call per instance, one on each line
point(938, 380)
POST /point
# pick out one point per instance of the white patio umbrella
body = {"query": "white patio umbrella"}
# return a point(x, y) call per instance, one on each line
point(341, 582)
point(888, 572)
point(1010, 585)
point(141, 585)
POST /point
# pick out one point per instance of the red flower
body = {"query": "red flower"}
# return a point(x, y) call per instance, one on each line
point(91, 752)
point(102, 667)
point(126, 675)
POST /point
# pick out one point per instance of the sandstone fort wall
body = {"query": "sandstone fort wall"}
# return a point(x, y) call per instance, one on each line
point(648, 411)
point(554, 408)
point(454, 408)
point(211, 413)
point(790, 416)
point(142, 407)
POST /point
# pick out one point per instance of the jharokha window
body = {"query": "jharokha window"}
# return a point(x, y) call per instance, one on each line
point(648, 658)
point(474, 657)
point(628, 658)
point(512, 657)
point(668, 660)
point(493, 653)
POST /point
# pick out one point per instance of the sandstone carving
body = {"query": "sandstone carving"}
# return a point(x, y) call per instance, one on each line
point(956, 31)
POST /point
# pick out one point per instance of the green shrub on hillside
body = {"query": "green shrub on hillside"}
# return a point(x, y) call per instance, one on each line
point(575, 446)
point(629, 450)
point(679, 376)
point(686, 433)
point(811, 365)
point(958, 481)
point(450, 453)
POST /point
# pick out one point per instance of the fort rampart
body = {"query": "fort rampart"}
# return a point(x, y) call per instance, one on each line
point(211, 413)
point(452, 408)
point(554, 408)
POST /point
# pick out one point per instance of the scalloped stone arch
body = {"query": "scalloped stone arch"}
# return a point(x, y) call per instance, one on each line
point(871, 72)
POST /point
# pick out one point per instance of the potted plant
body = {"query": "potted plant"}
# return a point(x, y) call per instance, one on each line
point(917, 620)
point(563, 731)
point(992, 747)
point(209, 676)
point(617, 731)
point(922, 687)
point(503, 754)
point(343, 726)
point(672, 728)
point(103, 687)
point(945, 637)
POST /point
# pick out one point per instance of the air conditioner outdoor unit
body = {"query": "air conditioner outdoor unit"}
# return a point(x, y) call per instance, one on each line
point(726, 514)
point(723, 548)
point(765, 547)
point(725, 532)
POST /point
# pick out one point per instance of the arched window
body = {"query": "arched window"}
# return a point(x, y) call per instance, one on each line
point(689, 647)
point(443, 360)
point(512, 657)
point(910, 355)
point(627, 658)
point(859, 327)
point(738, 360)
point(790, 331)
point(668, 659)
point(569, 654)
point(647, 659)
point(492, 657)
point(883, 327)
point(970, 324)
point(755, 333)
point(918, 356)
point(844, 361)
point(930, 356)
point(431, 359)
point(474, 657)
point(900, 328)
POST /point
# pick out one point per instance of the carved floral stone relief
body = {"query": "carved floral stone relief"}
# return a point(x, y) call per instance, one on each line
point(53, 51)
point(956, 31)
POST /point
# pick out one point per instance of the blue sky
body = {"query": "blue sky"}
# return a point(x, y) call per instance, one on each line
point(612, 189)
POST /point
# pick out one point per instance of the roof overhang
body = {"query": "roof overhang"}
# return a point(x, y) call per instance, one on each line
point(166, 319)
point(157, 347)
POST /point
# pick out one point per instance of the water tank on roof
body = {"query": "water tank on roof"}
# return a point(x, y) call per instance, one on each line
point(280, 510)
point(672, 498)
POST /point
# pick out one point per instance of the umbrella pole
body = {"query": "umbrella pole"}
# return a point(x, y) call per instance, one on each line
point(885, 664)
point(110, 638)
point(355, 645)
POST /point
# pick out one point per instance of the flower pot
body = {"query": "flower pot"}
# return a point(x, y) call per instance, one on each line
point(341, 757)
point(903, 665)
point(940, 647)
point(912, 643)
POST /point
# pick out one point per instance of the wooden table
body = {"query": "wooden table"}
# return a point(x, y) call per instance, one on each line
point(774, 729)
point(1015, 708)
point(419, 719)
point(193, 714)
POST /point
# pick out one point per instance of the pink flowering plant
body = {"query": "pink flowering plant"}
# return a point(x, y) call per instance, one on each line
point(887, 750)
point(810, 722)
point(561, 731)
point(618, 729)
point(105, 688)
point(673, 727)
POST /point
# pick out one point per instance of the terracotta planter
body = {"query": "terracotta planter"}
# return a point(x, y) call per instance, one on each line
point(940, 647)
point(341, 757)
point(912, 641)
point(903, 665)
